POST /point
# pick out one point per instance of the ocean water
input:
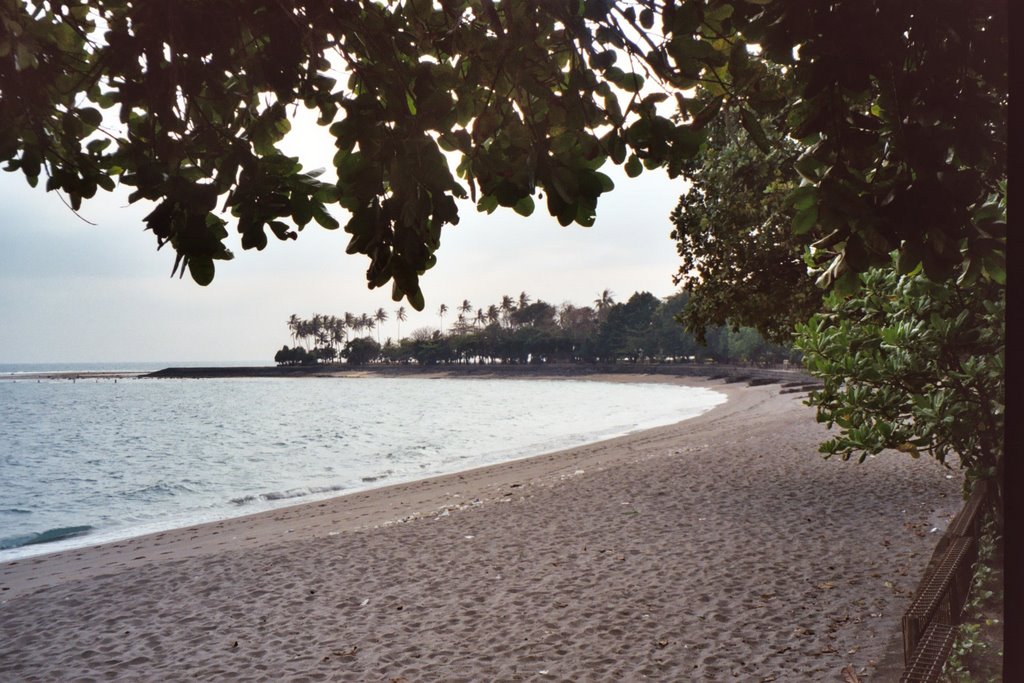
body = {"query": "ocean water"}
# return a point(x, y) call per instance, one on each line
point(97, 460)
point(14, 369)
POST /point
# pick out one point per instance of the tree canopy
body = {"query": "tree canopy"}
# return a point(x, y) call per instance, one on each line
point(899, 109)
point(740, 261)
point(643, 329)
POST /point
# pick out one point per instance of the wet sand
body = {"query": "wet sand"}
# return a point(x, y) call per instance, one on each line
point(721, 548)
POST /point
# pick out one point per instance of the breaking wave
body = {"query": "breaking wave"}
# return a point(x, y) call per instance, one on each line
point(48, 536)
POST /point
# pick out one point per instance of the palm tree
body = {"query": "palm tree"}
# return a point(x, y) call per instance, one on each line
point(480, 318)
point(507, 304)
point(524, 300)
point(366, 322)
point(337, 328)
point(400, 317)
point(316, 330)
point(493, 315)
point(465, 308)
point(604, 302)
point(293, 327)
point(380, 316)
point(441, 310)
point(350, 324)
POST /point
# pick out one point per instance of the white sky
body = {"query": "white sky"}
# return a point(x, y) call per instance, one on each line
point(73, 292)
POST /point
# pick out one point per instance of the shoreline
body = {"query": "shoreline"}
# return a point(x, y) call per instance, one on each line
point(261, 517)
point(794, 377)
point(754, 375)
point(661, 541)
point(73, 538)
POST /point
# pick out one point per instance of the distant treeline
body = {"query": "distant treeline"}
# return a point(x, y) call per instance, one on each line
point(518, 330)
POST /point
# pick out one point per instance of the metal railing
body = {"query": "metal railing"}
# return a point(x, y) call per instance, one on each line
point(931, 653)
point(930, 623)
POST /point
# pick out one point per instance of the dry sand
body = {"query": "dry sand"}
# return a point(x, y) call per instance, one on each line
point(722, 548)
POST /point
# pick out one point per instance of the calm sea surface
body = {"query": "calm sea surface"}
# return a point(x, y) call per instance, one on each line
point(92, 461)
point(7, 369)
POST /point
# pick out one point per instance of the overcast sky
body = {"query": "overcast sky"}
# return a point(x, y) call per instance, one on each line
point(74, 292)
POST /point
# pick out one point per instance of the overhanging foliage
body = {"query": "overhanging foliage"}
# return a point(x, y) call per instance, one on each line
point(900, 107)
point(915, 365)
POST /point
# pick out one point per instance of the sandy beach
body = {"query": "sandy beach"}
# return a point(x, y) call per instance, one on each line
point(723, 548)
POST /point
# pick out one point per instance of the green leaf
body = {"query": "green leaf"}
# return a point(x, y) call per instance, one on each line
point(803, 197)
point(97, 146)
point(66, 37)
point(325, 219)
point(630, 82)
point(971, 270)
point(633, 166)
point(90, 117)
point(566, 184)
point(655, 98)
point(525, 206)
point(201, 269)
point(585, 215)
point(617, 147)
point(302, 209)
point(809, 168)
point(805, 220)
point(994, 265)
point(607, 184)
point(281, 230)
point(987, 212)
point(106, 182)
point(487, 204)
point(447, 143)
point(416, 299)
point(720, 13)
point(24, 58)
point(753, 127)
point(603, 60)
